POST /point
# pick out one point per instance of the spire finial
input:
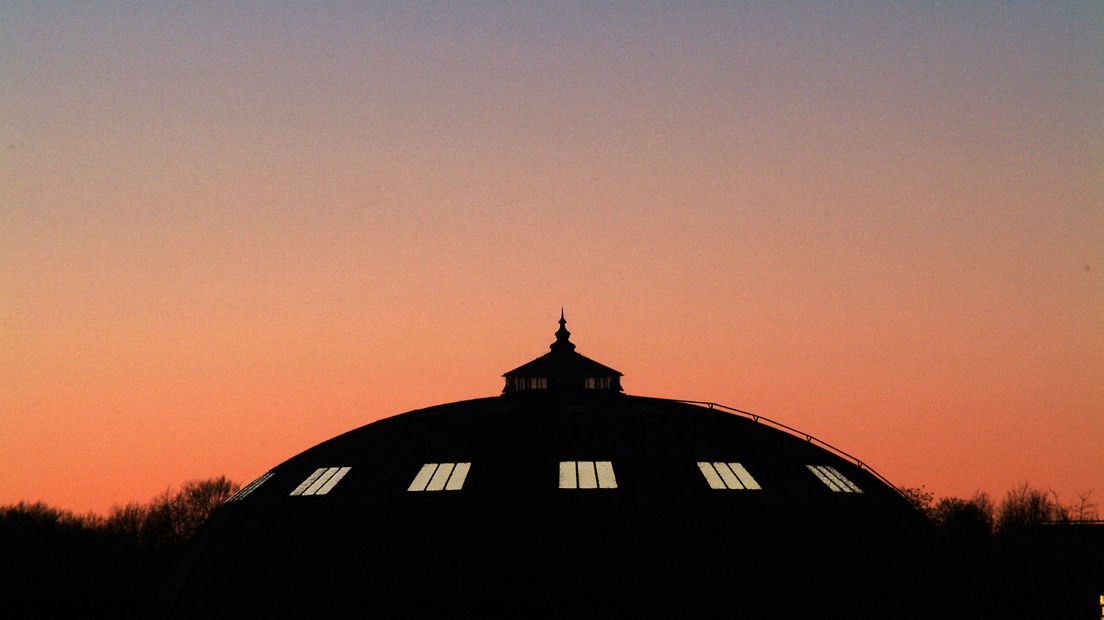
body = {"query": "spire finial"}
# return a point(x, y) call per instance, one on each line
point(562, 336)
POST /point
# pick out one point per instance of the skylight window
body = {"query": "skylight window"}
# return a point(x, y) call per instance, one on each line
point(587, 475)
point(440, 476)
point(322, 481)
point(833, 479)
point(732, 476)
point(249, 488)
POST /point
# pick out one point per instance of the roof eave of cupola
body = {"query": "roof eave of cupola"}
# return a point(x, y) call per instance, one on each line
point(575, 363)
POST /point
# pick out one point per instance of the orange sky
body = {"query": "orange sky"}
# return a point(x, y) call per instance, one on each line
point(227, 234)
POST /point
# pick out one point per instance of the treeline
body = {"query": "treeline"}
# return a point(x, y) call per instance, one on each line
point(1022, 506)
point(1026, 556)
point(112, 565)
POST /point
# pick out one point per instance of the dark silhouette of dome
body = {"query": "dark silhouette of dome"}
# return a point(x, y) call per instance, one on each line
point(564, 496)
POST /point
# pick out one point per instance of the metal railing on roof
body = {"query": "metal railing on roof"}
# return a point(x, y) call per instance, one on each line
point(793, 431)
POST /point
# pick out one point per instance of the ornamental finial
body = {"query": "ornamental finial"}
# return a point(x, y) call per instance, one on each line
point(562, 336)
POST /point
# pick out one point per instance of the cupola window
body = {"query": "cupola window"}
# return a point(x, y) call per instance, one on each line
point(598, 383)
point(527, 383)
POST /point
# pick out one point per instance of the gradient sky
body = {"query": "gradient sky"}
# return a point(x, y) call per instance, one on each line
point(230, 231)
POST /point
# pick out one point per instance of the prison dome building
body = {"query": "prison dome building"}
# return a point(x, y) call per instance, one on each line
point(566, 497)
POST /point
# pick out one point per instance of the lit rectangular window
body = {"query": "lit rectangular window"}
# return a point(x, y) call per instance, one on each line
point(440, 477)
point(834, 480)
point(711, 476)
point(727, 476)
point(459, 474)
point(332, 481)
point(322, 481)
point(249, 488)
point(568, 478)
point(588, 478)
point(606, 479)
point(587, 475)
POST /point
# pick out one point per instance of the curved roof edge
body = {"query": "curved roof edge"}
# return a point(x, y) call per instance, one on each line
point(793, 431)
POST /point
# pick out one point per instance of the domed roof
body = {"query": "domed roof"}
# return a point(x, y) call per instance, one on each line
point(560, 500)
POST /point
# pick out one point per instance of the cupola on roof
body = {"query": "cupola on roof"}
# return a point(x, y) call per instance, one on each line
point(562, 369)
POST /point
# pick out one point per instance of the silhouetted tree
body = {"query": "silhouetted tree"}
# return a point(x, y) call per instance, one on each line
point(1084, 509)
point(1024, 506)
point(126, 522)
point(920, 497)
point(972, 516)
point(196, 500)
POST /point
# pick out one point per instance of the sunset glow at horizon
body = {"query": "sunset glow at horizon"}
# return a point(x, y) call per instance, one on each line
point(228, 233)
